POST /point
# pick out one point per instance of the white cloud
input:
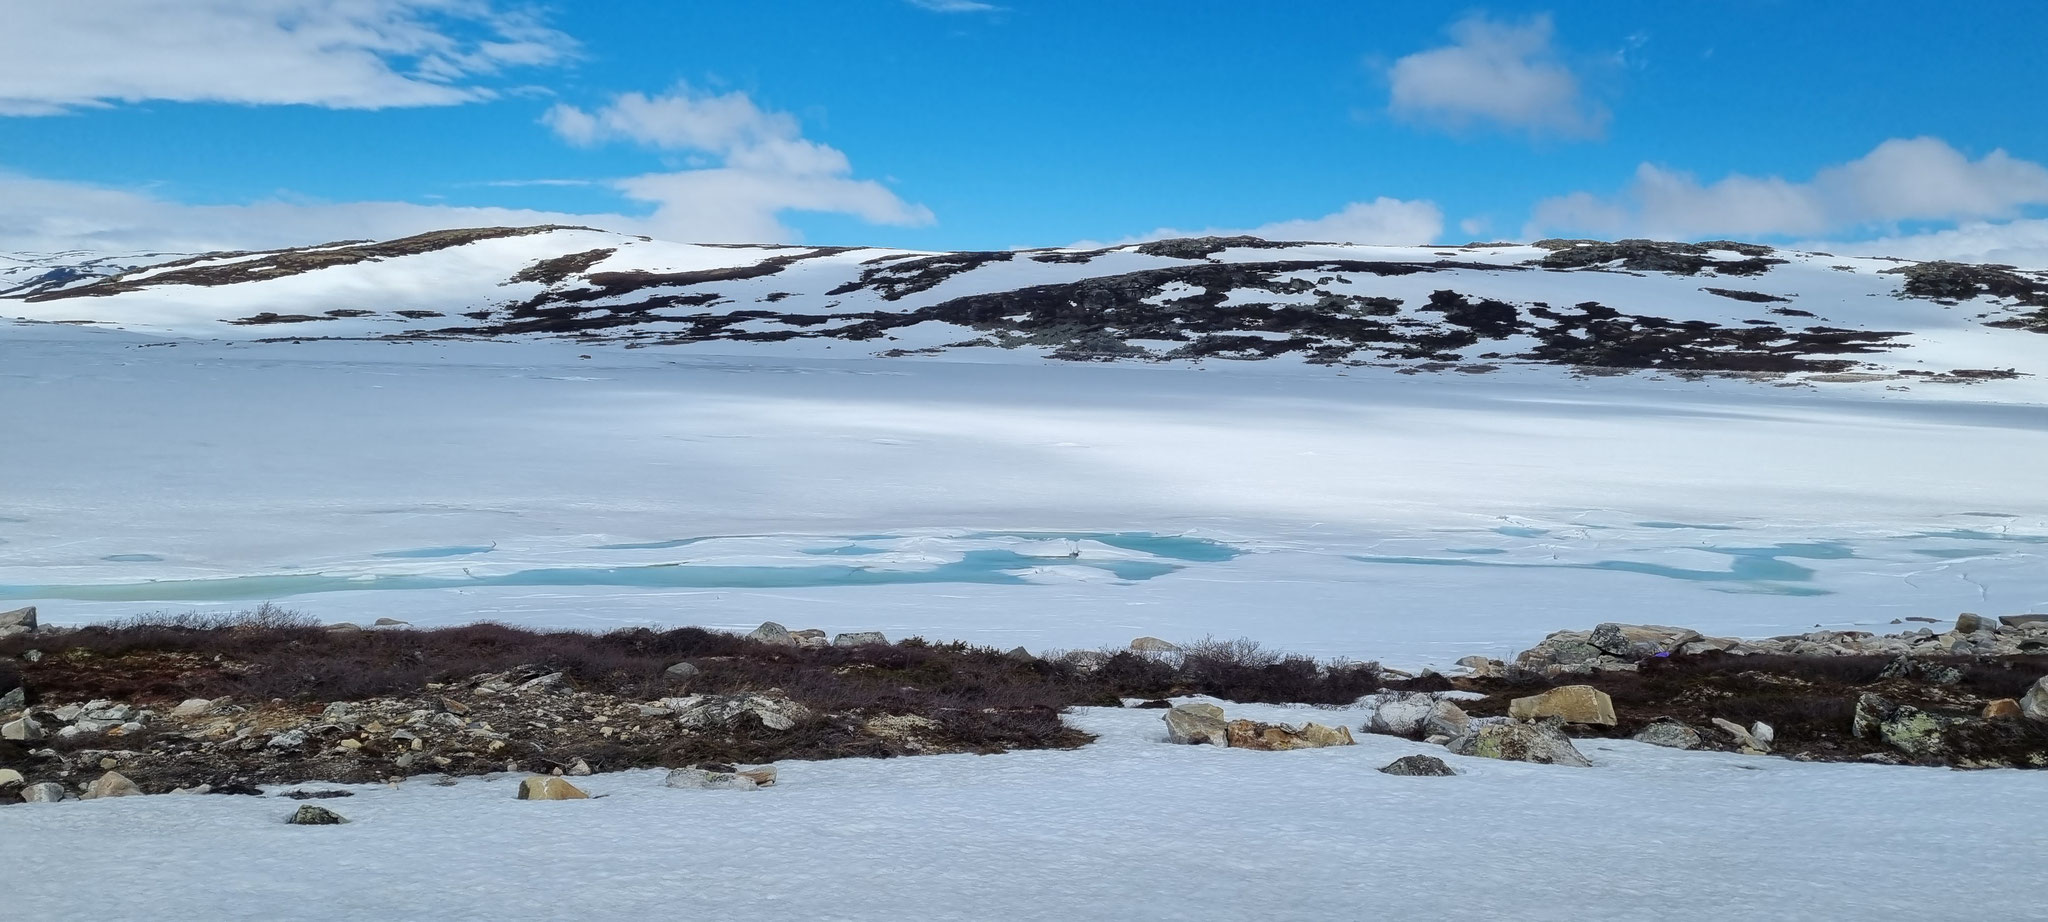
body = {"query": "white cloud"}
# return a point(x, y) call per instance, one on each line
point(1381, 221)
point(954, 6)
point(2022, 243)
point(1916, 179)
point(59, 55)
point(40, 215)
point(766, 166)
point(1499, 72)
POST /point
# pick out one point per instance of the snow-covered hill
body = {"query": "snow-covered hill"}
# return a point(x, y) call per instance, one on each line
point(1633, 304)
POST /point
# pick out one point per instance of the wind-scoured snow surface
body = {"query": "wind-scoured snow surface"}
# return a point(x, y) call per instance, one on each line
point(1130, 827)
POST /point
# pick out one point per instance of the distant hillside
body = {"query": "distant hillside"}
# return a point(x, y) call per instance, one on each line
point(1633, 304)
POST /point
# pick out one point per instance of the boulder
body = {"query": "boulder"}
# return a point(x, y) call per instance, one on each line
point(1419, 766)
point(191, 707)
point(18, 621)
point(1745, 740)
point(1446, 721)
point(1670, 733)
point(681, 672)
point(390, 622)
point(9, 778)
point(15, 701)
point(1153, 645)
point(1542, 742)
point(1195, 724)
point(1578, 704)
point(2003, 707)
point(1902, 727)
point(1248, 734)
point(810, 638)
point(1970, 623)
point(111, 784)
point(2022, 620)
point(2034, 704)
point(1919, 670)
point(1764, 733)
point(763, 776)
point(1636, 641)
point(309, 815)
point(709, 778)
point(22, 730)
point(579, 768)
point(47, 792)
point(1020, 655)
point(1483, 667)
point(549, 787)
point(771, 633)
point(702, 712)
point(1401, 714)
point(860, 639)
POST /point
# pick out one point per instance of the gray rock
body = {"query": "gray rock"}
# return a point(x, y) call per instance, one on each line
point(390, 622)
point(860, 639)
point(1970, 623)
point(1196, 724)
point(9, 778)
point(22, 730)
point(1419, 766)
point(289, 739)
point(14, 701)
point(309, 815)
point(47, 792)
point(192, 707)
point(1445, 720)
point(1744, 739)
point(710, 778)
point(2022, 620)
point(18, 621)
point(700, 712)
point(1401, 714)
point(553, 681)
point(2034, 704)
point(578, 768)
point(681, 672)
point(1020, 655)
point(1542, 742)
point(1919, 670)
point(771, 633)
point(1669, 733)
point(109, 712)
point(1153, 645)
point(810, 638)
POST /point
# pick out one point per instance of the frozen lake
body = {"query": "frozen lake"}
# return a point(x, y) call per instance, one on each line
point(1365, 514)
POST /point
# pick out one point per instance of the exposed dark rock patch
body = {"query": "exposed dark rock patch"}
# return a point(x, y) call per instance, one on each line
point(1655, 256)
point(1753, 297)
point(1205, 247)
point(1955, 282)
point(554, 271)
point(899, 277)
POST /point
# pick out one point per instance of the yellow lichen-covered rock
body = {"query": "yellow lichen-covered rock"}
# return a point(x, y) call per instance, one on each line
point(1248, 734)
point(549, 787)
point(1575, 704)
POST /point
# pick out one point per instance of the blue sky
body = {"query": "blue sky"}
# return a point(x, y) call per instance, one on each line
point(955, 124)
